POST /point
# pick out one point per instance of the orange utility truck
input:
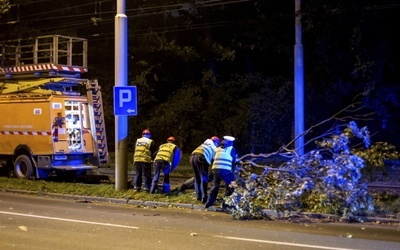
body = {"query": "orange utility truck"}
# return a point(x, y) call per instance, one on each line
point(51, 119)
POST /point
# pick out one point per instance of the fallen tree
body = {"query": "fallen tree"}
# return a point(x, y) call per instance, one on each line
point(327, 179)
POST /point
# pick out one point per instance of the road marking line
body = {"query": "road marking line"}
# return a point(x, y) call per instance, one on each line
point(283, 243)
point(69, 220)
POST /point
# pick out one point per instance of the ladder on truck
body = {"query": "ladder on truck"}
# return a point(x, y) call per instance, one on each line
point(52, 65)
point(98, 126)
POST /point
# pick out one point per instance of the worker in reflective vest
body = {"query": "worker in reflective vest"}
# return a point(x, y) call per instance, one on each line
point(200, 160)
point(142, 159)
point(223, 169)
point(166, 160)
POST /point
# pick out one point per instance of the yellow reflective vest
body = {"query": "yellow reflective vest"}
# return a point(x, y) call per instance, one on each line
point(142, 150)
point(223, 158)
point(166, 152)
point(205, 150)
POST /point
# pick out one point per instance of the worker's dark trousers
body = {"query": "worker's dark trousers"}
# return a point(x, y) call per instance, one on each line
point(220, 175)
point(142, 172)
point(158, 167)
point(200, 168)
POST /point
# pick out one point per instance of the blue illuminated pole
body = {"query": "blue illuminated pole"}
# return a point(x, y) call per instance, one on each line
point(298, 82)
point(121, 79)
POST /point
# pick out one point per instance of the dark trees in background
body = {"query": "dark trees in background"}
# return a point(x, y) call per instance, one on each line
point(209, 68)
point(351, 56)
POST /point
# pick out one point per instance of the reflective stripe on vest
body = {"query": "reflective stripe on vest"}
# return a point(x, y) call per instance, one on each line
point(165, 152)
point(205, 150)
point(142, 150)
point(223, 158)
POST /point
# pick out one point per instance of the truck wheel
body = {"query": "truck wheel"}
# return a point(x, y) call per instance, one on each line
point(23, 167)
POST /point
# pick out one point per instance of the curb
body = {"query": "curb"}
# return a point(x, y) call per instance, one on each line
point(269, 213)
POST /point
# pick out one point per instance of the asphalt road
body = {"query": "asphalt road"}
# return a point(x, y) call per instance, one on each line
point(32, 222)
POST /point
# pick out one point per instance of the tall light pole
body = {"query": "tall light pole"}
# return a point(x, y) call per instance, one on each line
point(298, 82)
point(121, 79)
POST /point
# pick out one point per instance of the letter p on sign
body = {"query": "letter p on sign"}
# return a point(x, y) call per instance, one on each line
point(125, 96)
point(125, 100)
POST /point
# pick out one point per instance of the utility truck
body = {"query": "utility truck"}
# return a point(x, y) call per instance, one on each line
point(51, 119)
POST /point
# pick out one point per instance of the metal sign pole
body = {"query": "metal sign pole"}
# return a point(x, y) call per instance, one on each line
point(121, 79)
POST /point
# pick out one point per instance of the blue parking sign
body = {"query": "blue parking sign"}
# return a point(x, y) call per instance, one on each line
point(125, 100)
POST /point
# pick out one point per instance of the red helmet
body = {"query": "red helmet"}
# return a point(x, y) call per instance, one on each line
point(215, 139)
point(171, 139)
point(146, 132)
